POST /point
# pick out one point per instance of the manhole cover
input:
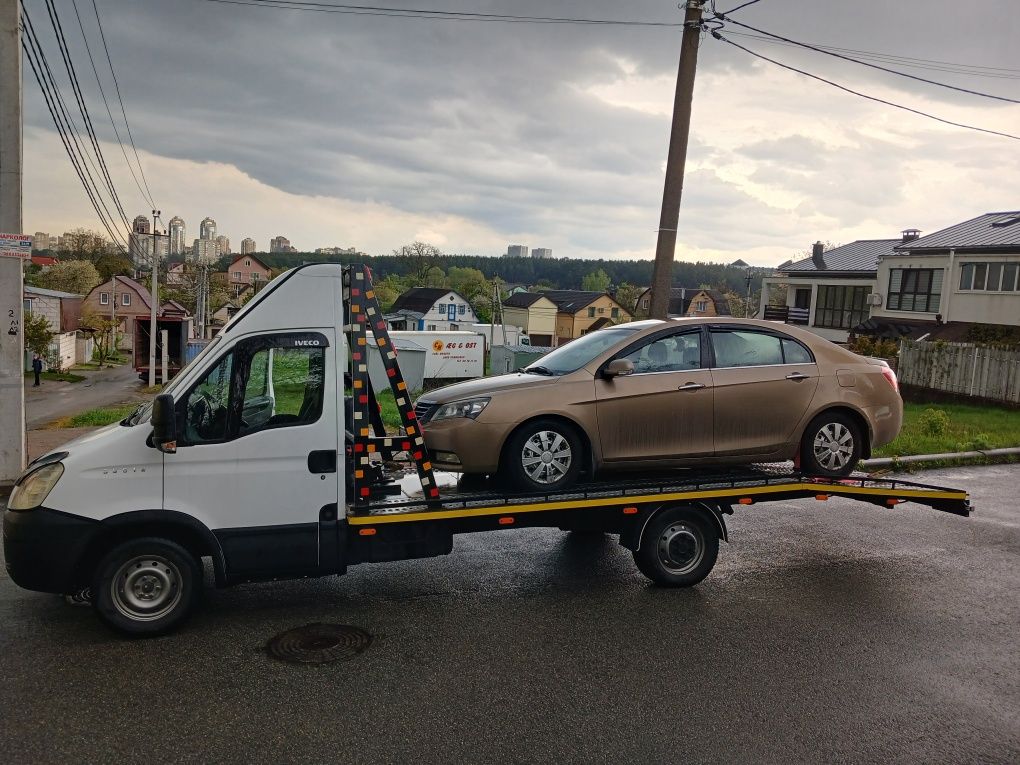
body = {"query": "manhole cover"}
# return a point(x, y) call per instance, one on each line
point(319, 643)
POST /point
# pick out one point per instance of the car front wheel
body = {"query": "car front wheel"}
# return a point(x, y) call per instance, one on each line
point(544, 455)
point(831, 446)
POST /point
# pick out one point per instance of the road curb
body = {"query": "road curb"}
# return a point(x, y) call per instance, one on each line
point(922, 459)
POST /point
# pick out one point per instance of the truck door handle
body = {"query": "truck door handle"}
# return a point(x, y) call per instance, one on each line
point(691, 386)
point(322, 461)
point(797, 376)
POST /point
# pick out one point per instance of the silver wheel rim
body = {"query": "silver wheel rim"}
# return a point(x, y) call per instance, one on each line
point(834, 446)
point(146, 588)
point(546, 457)
point(680, 548)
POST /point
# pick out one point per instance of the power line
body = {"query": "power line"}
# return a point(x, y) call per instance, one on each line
point(82, 107)
point(66, 128)
point(718, 36)
point(29, 45)
point(844, 57)
point(120, 99)
point(106, 103)
point(433, 15)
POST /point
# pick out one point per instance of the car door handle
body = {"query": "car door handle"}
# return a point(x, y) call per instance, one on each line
point(691, 386)
point(797, 376)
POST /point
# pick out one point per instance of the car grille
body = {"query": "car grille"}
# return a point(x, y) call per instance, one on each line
point(422, 410)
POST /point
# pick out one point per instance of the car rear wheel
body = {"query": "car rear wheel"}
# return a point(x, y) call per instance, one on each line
point(831, 446)
point(544, 455)
point(146, 586)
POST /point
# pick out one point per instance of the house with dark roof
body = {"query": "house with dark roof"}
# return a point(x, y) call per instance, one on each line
point(535, 314)
point(830, 291)
point(687, 301)
point(579, 312)
point(431, 308)
point(940, 285)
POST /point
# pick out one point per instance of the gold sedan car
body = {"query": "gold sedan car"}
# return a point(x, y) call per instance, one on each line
point(663, 394)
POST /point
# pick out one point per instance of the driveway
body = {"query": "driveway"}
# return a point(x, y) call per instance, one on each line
point(829, 632)
point(53, 400)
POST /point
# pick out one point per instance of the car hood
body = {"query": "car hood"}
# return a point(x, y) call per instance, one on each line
point(485, 387)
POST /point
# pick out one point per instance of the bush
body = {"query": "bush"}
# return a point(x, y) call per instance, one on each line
point(873, 346)
point(934, 422)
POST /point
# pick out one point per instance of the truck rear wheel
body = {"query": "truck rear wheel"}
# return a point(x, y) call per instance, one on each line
point(678, 547)
point(146, 586)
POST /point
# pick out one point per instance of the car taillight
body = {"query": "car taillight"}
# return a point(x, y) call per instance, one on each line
point(890, 376)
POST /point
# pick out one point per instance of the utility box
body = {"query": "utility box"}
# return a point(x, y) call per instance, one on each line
point(509, 358)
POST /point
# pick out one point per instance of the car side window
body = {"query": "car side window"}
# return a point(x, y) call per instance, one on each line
point(674, 353)
point(795, 353)
point(207, 406)
point(285, 387)
point(744, 348)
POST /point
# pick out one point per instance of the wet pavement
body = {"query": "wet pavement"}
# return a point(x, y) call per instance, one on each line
point(53, 400)
point(829, 631)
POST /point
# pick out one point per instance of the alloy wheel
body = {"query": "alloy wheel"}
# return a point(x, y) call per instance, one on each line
point(546, 457)
point(833, 446)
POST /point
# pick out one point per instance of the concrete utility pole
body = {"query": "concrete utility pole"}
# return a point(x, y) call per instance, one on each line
point(155, 301)
point(12, 329)
point(662, 275)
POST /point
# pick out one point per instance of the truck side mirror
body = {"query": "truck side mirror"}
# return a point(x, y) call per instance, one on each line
point(618, 368)
point(164, 423)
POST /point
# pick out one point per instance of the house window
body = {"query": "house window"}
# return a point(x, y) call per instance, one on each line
point(990, 277)
point(615, 313)
point(644, 304)
point(701, 306)
point(237, 276)
point(247, 263)
point(461, 309)
point(125, 298)
point(841, 307)
point(27, 305)
point(591, 313)
point(915, 289)
point(104, 298)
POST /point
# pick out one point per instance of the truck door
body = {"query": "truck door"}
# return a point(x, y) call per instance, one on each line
point(256, 456)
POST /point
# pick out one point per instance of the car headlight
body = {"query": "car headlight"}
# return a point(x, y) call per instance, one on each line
point(32, 490)
point(471, 407)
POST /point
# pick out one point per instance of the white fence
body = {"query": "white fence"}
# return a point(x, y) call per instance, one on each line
point(961, 368)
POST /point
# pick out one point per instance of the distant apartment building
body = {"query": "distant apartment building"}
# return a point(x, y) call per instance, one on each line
point(140, 225)
point(40, 241)
point(205, 251)
point(142, 243)
point(224, 244)
point(517, 251)
point(247, 246)
point(541, 252)
point(336, 251)
point(280, 244)
point(207, 229)
point(178, 236)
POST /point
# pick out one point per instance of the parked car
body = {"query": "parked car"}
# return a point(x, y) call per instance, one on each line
point(653, 394)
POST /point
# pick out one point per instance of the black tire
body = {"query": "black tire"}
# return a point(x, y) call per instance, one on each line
point(825, 450)
point(146, 587)
point(557, 473)
point(679, 547)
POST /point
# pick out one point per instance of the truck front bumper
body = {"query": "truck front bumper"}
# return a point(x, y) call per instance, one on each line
point(42, 548)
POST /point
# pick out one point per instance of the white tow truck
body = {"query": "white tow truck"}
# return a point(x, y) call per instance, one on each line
point(264, 456)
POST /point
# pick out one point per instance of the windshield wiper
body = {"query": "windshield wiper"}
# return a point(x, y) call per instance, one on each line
point(540, 370)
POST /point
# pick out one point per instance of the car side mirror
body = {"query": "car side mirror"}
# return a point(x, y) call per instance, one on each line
point(164, 423)
point(618, 368)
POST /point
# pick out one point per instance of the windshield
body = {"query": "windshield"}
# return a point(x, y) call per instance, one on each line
point(141, 414)
point(577, 353)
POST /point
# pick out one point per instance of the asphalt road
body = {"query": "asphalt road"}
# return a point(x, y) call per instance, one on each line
point(828, 632)
point(53, 400)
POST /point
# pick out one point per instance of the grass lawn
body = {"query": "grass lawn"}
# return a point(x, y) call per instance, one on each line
point(967, 427)
point(95, 417)
point(58, 376)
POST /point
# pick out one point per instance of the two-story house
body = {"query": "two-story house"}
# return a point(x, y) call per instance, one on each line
point(431, 308)
point(828, 292)
point(579, 312)
point(942, 284)
point(535, 314)
point(245, 271)
point(687, 301)
point(123, 299)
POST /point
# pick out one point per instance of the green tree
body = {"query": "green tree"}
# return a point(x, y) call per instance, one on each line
point(434, 277)
point(38, 333)
point(596, 281)
point(102, 330)
point(627, 295)
point(469, 282)
point(83, 244)
point(110, 265)
point(417, 259)
point(75, 276)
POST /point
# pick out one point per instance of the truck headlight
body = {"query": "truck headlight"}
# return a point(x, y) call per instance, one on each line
point(471, 407)
point(32, 490)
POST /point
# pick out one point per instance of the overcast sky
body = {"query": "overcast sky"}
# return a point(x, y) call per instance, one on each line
point(340, 130)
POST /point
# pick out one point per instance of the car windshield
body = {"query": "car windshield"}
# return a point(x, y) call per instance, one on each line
point(577, 353)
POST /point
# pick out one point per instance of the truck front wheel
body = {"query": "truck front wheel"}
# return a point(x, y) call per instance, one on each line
point(678, 547)
point(146, 586)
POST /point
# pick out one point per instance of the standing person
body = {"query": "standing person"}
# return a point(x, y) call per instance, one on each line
point(37, 363)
